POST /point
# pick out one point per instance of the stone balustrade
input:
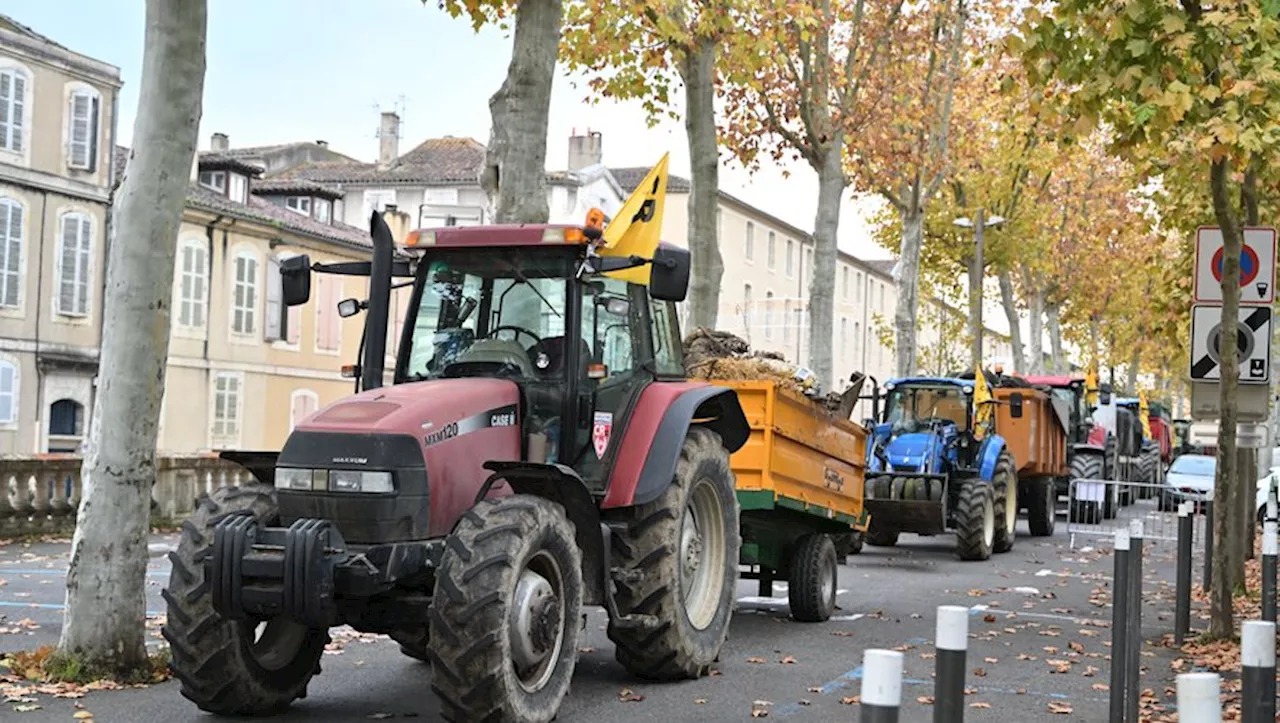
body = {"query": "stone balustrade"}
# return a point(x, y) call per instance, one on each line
point(41, 494)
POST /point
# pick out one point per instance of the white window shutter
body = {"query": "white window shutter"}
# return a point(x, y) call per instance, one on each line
point(273, 329)
point(67, 268)
point(8, 377)
point(17, 134)
point(81, 112)
point(6, 107)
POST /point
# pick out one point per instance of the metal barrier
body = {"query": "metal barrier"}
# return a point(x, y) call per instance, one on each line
point(1099, 508)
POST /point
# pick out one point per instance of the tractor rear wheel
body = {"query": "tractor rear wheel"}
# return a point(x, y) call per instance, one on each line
point(1042, 506)
point(1090, 466)
point(812, 587)
point(505, 619)
point(1148, 464)
point(679, 561)
point(975, 518)
point(1005, 483)
point(232, 667)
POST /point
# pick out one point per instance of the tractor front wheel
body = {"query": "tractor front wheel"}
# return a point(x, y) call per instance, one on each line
point(1042, 506)
point(975, 519)
point(1005, 482)
point(505, 619)
point(232, 667)
point(679, 561)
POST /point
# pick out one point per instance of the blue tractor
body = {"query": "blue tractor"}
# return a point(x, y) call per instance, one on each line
point(929, 473)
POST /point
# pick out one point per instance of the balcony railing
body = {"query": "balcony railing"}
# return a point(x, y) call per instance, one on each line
point(41, 494)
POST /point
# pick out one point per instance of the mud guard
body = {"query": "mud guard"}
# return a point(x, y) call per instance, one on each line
point(641, 477)
point(562, 485)
point(988, 455)
point(260, 464)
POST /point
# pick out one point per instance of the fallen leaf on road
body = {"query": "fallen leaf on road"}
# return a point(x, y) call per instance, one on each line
point(928, 656)
point(788, 660)
point(760, 708)
point(700, 701)
point(805, 701)
point(851, 700)
point(815, 689)
point(585, 651)
point(979, 705)
point(1089, 671)
point(83, 715)
point(980, 672)
point(1060, 708)
point(842, 634)
point(26, 708)
point(757, 661)
point(1024, 656)
point(925, 700)
point(626, 695)
point(1076, 646)
point(991, 660)
point(988, 618)
point(1101, 686)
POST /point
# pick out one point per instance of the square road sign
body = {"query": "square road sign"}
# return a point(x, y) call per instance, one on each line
point(1253, 342)
point(1257, 266)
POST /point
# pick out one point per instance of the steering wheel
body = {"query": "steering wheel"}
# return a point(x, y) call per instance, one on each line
point(517, 330)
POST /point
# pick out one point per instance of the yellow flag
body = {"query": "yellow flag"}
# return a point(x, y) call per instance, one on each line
point(1144, 413)
point(637, 227)
point(982, 407)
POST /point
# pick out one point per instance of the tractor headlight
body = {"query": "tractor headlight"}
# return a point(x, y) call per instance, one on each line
point(293, 478)
point(336, 480)
point(354, 480)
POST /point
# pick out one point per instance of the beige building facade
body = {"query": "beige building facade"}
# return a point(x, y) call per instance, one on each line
point(57, 128)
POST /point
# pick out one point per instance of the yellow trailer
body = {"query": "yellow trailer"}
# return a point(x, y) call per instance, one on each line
point(799, 479)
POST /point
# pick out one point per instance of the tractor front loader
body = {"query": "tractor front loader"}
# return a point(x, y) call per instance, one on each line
point(539, 450)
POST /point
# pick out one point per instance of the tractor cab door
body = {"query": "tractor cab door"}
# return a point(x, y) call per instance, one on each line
point(613, 316)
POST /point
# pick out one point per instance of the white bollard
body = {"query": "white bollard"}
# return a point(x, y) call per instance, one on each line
point(881, 686)
point(952, 642)
point(1258, 671)
point(1198, 698)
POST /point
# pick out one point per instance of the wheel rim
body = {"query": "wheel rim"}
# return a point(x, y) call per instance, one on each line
point(537, 625)
point(275, 643)
point(702, 554)
point(988, 523)
point(1010, 507)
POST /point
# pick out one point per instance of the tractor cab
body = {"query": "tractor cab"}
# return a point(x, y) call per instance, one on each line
point(926, 426)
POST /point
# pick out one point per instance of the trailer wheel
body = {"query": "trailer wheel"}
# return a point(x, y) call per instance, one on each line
point(848, 544)
point(679, 561)
point(505, 618)
point(881, 538)
point(1042, 506)
point(232, 667)
point(975, 518)
point(1005, 483)
point(811, 589)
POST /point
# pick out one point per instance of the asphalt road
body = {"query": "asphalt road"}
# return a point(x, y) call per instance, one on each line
point(1041, 602)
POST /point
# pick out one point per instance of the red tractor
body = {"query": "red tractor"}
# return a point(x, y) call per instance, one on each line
point(539, 449)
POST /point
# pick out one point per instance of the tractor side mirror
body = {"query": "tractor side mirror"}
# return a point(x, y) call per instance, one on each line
point(295, 280)
point(1015, 405)
point(669, 277)
point(348, 308)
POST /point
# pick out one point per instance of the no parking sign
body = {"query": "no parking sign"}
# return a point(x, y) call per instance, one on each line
point(1257, 266)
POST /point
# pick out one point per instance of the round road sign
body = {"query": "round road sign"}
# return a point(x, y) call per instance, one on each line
point(1244, 342)
point(1248, 265)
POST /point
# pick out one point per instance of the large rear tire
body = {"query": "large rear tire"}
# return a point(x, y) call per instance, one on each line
point(679, 562)
point(232, 667)
point(1042, 506)
point(1004, 481)
point(1090, 466)
point(975, 518)
point(811, 588)
point(505, 618)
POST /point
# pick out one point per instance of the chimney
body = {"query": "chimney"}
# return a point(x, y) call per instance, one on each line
point(219, 142)
point(389, 137)
point(585, 150)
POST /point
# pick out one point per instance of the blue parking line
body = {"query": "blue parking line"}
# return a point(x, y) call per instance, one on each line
point(47, 606)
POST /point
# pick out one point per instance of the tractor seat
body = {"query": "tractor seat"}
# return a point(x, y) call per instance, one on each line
point(553, 347)
point(495, 352)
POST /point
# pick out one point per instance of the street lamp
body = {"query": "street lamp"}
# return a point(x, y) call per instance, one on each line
point(976, 268)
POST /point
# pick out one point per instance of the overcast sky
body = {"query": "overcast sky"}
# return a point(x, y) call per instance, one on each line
point(289, 70)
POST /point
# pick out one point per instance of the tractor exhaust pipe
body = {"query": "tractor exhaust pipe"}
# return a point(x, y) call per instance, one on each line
point(375, 323)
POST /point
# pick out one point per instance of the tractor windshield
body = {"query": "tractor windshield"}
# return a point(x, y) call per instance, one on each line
point(490, 312)
point(916, 406)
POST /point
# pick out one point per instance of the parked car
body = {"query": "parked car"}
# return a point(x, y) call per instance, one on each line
point(1190, 479)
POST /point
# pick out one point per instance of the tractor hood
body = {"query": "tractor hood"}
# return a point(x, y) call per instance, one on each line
point(907, 452)
point(418, 409)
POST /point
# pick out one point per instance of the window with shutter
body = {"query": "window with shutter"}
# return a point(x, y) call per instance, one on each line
point(226, 405)
point(8, 392)
point(82, 130)
point(13, 108)
point(273, 329)
point(74, 264)
point(304, 405)
point(328, 323)
point(10, 252)
point(244, 295)
point(193, 274)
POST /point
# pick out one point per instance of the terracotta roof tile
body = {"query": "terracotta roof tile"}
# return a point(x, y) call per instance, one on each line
point(272, 215)
point(437, 161)
point(293, 187)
